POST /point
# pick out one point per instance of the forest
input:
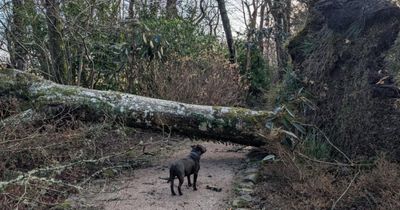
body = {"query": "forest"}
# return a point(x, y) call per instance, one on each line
point(295, 104)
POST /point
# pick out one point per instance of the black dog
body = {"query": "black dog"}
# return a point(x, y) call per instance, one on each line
point(186, 167)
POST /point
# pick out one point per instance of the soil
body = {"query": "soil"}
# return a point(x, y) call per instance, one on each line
point(145, 190)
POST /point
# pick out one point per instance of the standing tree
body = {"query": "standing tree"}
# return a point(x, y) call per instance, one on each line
point(18, 53)
point(60, 72)
point(251, 29)
point(172, 11)
point(131, 9)
point(227, 29)
point(281, 10)
point(261, 26)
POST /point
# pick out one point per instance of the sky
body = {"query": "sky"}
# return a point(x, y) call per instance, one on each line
point(236, 15)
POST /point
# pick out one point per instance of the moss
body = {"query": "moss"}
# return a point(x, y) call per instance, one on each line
point(70, 91)
point(203, 126)
point(245, 117)
point(13, 82)
point(63, 206)
point(109, 173)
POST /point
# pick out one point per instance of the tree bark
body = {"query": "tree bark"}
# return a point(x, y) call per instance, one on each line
point(229, 124)
point(39, 50)
point(56, 44)
point(251, 28)
point(172, 11)
point(261, 27)
point(227, 28)
point(18, 53)
point(131, 9)
point(280, 10)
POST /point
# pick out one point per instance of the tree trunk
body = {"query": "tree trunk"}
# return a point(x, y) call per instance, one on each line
point(172, 11)
point(250, 32)
point(18, 53)
point(229, 124)
point(131, 9)
point(280, 10)
point(261, 27)
point(227, 29)
point(39, 50)
point(154, 8)
point(60, 72)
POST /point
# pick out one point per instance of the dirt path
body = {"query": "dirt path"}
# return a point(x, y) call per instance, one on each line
point(145, 190)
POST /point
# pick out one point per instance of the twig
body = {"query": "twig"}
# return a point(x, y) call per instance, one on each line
point(334, 146)
point(101, 171)
point(348, 187)
point(332, 163)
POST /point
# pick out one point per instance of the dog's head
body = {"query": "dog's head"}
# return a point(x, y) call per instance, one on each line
point(199, 149)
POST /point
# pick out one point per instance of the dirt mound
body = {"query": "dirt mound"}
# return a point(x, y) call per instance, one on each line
point(342, 55)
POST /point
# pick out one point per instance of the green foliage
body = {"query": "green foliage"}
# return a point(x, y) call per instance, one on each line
point(314, 147)
point(106, 51)
point(393, 59)
point(108, 47)
point(296, 100)
point(180, 37)
point(293, 94)
point(260, 73)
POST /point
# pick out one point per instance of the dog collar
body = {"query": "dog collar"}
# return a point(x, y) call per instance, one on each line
point(194, 156)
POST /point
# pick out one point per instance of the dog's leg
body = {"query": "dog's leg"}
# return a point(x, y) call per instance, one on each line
point(181, 179)
point(194, 181)
point(189, 183)
point(172, 187)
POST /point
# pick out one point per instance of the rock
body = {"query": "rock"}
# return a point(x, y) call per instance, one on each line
point(242, 201)
point(251, 178)
point(268, 158)
point(246, 198)
point(246, 185)
point(239, 202)
point(251, 170)
point(245, 191)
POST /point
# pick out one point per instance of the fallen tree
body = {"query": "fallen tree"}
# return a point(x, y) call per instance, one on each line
point(229, 124)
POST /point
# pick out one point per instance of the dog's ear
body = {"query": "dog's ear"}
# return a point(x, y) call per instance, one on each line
point(193, 146)
point(203, 149)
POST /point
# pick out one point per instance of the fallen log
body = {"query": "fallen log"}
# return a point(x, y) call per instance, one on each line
point(227, 124)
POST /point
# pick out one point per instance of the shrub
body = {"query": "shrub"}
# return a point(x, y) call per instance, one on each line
point(206, 79)
point(259, 74)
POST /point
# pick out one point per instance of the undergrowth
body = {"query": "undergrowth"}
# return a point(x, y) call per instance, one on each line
point(315, 174)
point(304, 184)
point(42, 163)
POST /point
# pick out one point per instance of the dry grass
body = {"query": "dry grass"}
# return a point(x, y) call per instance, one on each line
point(208, 79)
point(66, 155)
point(301, 184)
point(9, 106)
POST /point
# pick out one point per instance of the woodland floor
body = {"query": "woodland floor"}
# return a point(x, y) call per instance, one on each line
point(144, 189)
point(128, 163)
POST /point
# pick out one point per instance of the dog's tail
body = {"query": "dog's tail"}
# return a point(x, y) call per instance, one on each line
point(171, 174)
point(166, 178)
